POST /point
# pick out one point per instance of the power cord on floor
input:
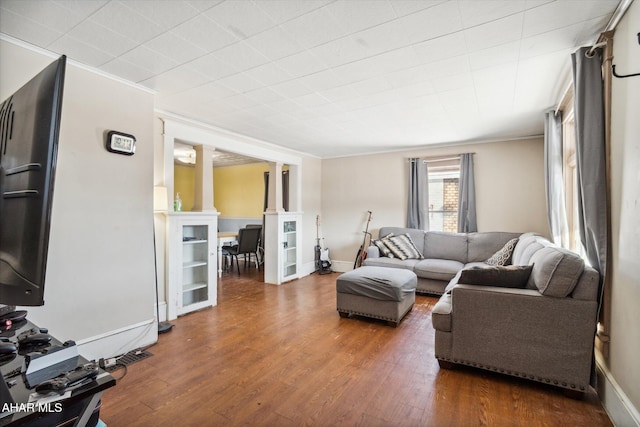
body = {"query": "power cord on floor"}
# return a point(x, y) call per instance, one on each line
point(111, 365)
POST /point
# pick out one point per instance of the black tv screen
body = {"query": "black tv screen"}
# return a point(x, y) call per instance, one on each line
point(29, 131)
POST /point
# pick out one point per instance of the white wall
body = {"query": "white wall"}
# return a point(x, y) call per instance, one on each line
point(99, 287)
point(509, 188)
point(311, 208)
point(624, 362)
point(160, 219)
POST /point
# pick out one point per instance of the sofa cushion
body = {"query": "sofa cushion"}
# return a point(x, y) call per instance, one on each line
point(402, 247)
point(528, 244)
point(441, 314)
point(511, 276)
point(439, 269)
point(407, 264)
point(503, 256)
point(442, 245)
point(555, 271)
point(484, 244)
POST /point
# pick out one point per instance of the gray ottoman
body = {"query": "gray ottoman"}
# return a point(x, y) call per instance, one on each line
point(377, 292)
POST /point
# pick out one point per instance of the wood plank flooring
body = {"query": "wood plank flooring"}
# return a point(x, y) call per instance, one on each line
point(281, 356)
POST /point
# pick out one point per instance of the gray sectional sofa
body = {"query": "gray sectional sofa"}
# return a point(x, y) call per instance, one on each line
point(542, 329)
point(445, 254)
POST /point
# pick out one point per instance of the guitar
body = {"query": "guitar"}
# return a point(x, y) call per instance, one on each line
point(323, 263)
point(362, 252)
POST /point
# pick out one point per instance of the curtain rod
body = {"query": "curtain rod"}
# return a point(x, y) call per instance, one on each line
point(443, 158)
point(617, 15)
point(565, 93)
point(591, 52)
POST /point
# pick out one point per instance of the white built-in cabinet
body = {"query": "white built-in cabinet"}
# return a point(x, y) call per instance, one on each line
point(191, 262)
point(192, 285)
point(282, 265)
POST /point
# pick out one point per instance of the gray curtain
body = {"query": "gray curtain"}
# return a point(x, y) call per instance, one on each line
point(554, 184)
point(418, 203)
point(467, 197)
point(590, 156)
point(285, 190)
point(591, 163)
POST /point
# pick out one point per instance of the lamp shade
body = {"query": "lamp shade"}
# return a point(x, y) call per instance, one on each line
point(160, 199)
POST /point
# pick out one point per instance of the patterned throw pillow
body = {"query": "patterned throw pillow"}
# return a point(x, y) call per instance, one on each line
point(403, 247)
point(382, 246)
point(503, 256)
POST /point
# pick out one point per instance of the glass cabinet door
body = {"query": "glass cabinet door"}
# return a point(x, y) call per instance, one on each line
point(195, 264)
point(289, 244)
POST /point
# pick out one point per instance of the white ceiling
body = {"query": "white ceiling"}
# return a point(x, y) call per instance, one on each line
point(330, 78)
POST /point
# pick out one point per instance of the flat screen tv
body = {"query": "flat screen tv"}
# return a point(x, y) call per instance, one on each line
point(29, 130)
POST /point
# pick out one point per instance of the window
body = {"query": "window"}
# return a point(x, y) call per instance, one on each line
point(444, 184)
point(570, 177)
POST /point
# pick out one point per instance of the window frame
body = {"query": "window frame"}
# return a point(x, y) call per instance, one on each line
point(442, 167)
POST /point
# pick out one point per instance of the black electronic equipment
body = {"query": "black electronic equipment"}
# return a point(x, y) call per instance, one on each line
point(7, 348)
point(13, 317)
point(10, 330)
point(45, 362)
point(60, 384)
point(5, 309)
point(35, 340)
point(33, 331)
point(29, 131)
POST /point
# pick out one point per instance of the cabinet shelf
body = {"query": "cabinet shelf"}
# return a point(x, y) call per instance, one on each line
point(193, 287)
point(193, 264)
point(193, 242)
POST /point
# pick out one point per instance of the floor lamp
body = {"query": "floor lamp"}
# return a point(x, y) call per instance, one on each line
point(160, 202)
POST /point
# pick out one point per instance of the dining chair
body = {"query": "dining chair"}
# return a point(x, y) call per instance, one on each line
point(248, 240)
point(260, 257)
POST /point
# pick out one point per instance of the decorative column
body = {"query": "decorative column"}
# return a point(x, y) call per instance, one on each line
point(203, 198)
point(274, 204)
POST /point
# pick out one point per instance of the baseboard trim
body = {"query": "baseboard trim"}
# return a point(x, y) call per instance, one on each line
point(119, 341)
point(336, 267)
point(341, 266)
point(307, 269)
point(162, 309)
point(620, 409)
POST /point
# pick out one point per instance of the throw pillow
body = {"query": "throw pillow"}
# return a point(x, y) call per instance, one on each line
point(382, 247)
point(503, 256)
point(511, 276)
point(403, 247)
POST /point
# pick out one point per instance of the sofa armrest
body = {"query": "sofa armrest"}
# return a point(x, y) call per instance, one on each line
point(373, 252)
point(524, 333)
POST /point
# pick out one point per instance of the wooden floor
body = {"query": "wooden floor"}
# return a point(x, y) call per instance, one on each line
point(281, 356)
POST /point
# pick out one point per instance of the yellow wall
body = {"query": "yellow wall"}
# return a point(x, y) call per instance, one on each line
point(184, 178)
point(238, 191)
